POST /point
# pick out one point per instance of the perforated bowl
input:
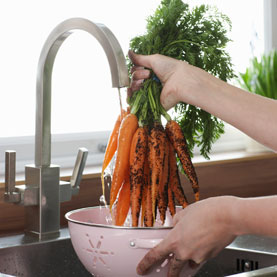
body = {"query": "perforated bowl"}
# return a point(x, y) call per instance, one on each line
point(108, 250)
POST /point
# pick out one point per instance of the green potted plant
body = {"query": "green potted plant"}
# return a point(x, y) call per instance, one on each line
point(261, 75)
point(260, 78)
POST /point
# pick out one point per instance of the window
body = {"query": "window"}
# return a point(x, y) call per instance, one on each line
point(84, 106)
point(247, 40)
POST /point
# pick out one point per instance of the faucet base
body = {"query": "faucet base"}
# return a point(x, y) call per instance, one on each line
point(43, 220)
point(35, 236)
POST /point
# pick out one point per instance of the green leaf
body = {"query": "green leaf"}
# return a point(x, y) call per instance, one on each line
point(199, 36)
point(260, 77)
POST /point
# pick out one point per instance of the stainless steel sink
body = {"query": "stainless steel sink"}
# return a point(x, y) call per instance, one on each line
point(25, 257)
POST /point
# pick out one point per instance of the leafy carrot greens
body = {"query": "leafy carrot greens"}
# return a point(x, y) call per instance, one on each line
point(199, 36)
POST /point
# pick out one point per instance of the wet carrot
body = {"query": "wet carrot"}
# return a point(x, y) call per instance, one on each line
point(156, 146)
point(127, 129)
point(163, 188)
point(111, 146)
point(145, 183)
point(137, 159)
point(178, 141)
point(171, 202)
point(144, 189)
point(148, 214)
point(147, 218)
point(143, 203)
point(123, 204)
point(174, 180)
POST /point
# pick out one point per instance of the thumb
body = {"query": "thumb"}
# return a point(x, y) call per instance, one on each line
point(140, 60)
point(168, 98)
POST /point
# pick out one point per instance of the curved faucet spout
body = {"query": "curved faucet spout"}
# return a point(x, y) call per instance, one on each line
point(116, 61)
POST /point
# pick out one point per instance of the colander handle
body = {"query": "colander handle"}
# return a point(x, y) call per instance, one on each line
point(144, 243)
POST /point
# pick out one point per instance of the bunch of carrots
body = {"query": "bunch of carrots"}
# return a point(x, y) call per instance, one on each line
point(146, 178)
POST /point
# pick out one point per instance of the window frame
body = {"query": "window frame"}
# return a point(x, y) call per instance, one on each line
point(270, 25)
point(65, 146)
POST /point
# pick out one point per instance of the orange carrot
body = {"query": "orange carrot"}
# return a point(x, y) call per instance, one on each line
point(156, 146)
point(123, 204)
point(127, 129)
point(143, 203)
point(137, 158)
point(174, 180)
point(148, 214)
point(145, 183)
point(145, 186)
point(163, 188)
point(111, 146)
point(179, 143)
point(171, 202)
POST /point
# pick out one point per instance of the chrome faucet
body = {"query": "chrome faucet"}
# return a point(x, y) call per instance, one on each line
point(43, 191)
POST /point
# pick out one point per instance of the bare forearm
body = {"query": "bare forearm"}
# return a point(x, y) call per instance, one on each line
point(256, 216)
point(252, 114)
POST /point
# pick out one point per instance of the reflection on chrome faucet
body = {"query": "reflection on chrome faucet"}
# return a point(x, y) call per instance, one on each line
point(43, 191)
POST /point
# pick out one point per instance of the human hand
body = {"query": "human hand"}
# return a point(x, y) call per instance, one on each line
point(200, 232)
point(179, 79)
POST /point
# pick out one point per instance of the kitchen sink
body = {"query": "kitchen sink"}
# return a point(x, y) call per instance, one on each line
point(21, 256)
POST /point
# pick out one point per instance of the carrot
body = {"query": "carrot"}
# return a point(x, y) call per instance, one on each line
point(146, 206)
point(123, 204)
point(148, 214)
point(163, 188)
point(171, 202)
point(145, 182)
point(143, 203)
point(111, 146)
point(156, 146)
point(174, 180)
point(178, 140)
point(137, 158)
point(127, 129)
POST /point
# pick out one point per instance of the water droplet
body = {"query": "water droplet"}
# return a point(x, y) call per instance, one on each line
point(103, 201)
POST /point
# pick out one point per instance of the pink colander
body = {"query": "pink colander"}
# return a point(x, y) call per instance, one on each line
point(108, 250)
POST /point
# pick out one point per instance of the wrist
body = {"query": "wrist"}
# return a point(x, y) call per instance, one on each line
point(231, 214)
point(202, 88)
point(236, 217)
point(242, 217)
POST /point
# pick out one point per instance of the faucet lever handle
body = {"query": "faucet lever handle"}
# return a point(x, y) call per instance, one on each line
point(78, 168)
point(11, 195)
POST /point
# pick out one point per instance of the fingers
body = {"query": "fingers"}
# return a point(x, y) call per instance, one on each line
point(138, 76)
point(158, 254)
point(189, 268)
point(178, 216)
point(135, 85)
point(175, 267)
point(140, 73)
point(155, 255)
point(193, 264)
point(140, 60)
point(168, 96)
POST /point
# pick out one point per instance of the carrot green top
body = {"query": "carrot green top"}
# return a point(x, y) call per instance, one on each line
point(198, 36)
